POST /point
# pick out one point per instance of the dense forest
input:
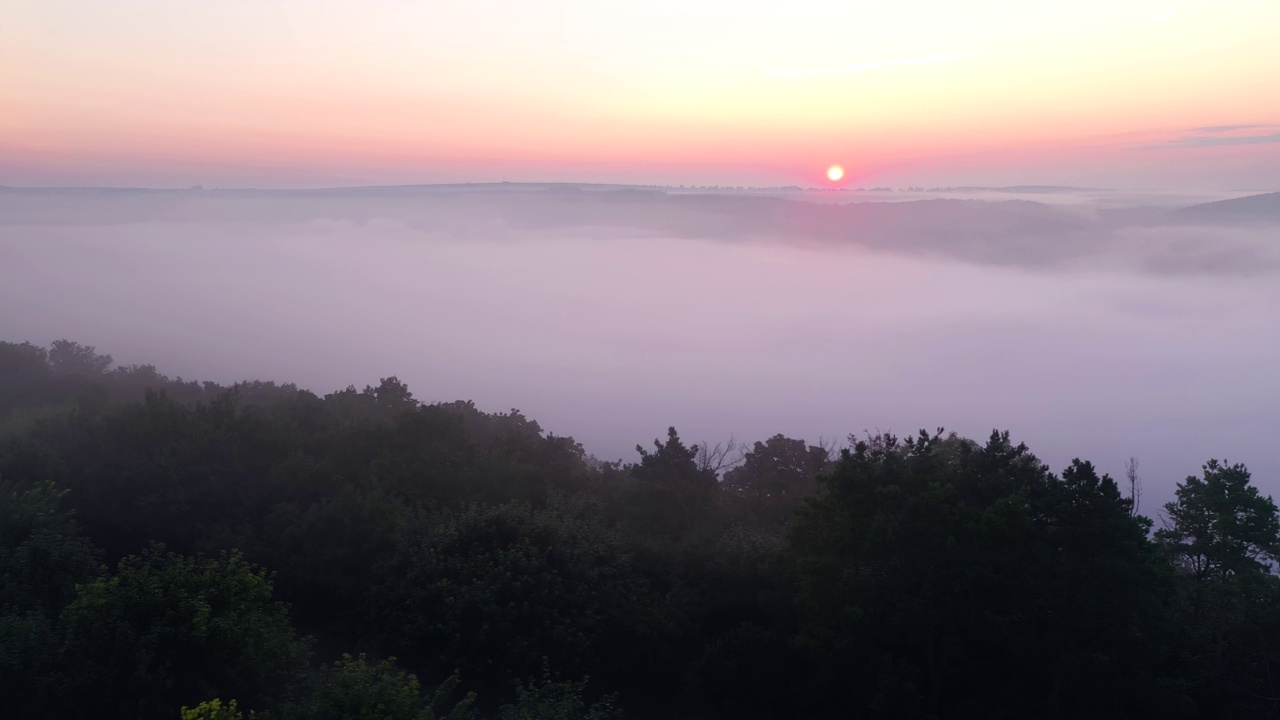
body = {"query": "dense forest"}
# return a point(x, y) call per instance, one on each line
point(173, 549)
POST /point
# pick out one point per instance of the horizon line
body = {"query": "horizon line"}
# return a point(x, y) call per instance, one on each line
point(1022, 187)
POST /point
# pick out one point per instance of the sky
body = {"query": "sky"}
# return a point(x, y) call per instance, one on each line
point(308, 93)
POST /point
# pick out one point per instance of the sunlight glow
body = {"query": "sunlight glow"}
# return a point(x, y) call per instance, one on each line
point(875, 65)
point(292, 93)
point(834, 173)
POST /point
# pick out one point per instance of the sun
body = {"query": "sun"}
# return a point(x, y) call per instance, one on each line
point(834, 173)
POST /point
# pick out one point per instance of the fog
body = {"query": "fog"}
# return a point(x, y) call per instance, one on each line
point(1090, 324)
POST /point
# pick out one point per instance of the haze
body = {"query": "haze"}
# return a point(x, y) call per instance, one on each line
point(548, 206)
point(677, 359)
point(1091, 325)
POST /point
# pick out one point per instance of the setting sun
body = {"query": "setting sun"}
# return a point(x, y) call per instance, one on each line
point(834, 173)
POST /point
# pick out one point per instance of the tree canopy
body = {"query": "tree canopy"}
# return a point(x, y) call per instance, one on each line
point(179, 549)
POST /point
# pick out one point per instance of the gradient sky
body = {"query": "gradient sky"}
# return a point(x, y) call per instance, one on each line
point(272, 93)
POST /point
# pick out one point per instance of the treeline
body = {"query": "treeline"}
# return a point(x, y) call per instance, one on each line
point(178, 549)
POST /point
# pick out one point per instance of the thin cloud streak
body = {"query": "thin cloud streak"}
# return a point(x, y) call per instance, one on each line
point(1227, 128)
point(1217, 136)
point(875, 65)
point(1233, 140)
point(1213, 141)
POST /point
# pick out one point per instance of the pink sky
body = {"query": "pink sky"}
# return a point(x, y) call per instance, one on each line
point(326, 92)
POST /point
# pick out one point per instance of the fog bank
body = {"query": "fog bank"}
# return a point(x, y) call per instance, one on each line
point(1089, 331)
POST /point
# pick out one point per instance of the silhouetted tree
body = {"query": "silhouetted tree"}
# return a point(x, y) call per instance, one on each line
point(776, 473)
point(672, 468)
point(71, 358)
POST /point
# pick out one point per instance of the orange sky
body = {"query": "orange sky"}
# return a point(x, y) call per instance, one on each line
point(322, 92)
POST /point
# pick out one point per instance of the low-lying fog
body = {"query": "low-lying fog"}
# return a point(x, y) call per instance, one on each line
point(1087, 328)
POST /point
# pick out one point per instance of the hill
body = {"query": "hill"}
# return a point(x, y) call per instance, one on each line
point(1251, 208)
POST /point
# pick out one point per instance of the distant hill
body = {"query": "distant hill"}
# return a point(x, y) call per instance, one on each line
point(988, 231)
point(1253, 207)
point(1025, 189)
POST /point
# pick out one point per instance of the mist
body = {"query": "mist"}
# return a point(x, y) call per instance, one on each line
point(1089, 324)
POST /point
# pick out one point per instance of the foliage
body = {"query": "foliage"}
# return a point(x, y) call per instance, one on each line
point(168, 629)
point(494, 589)
point(777, 472)
point(925, 577)
point(357, 689)
point(542, 698)
point(72, 358)
point(1223, 537)
point(43, 557)
point(960, 564)
point(42, 553)
point(214, 710)
point(1220, 526)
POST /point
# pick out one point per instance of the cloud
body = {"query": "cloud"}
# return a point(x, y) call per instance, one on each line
point(875, 65)
point(1009, 234)
point(1220, 135)
point(1210, 141)
point(1227, 128)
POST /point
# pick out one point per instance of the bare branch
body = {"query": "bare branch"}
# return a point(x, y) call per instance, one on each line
point(720, 457)
point(830, 446)
point(1135, 485)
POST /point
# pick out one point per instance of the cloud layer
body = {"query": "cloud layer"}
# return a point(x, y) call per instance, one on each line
point(1096, 329)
